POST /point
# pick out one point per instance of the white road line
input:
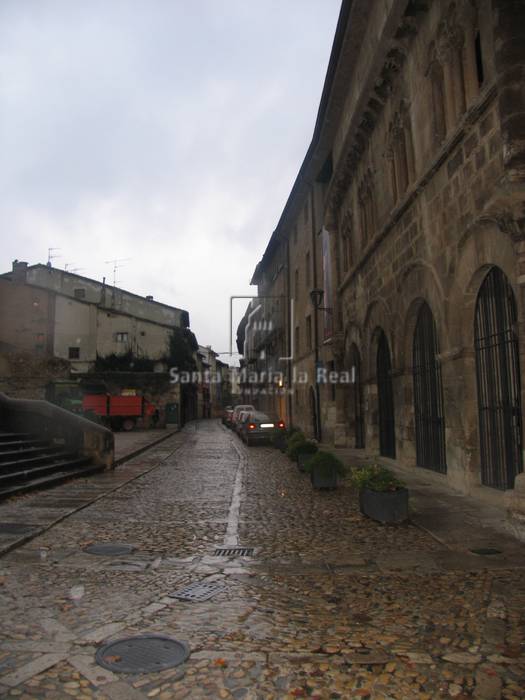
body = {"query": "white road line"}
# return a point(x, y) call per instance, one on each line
point(232, 531)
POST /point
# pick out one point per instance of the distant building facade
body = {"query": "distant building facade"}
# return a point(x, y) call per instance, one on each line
point(47, 311)
point(402, 242)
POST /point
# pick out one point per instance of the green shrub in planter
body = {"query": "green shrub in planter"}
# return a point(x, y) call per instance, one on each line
point(376, 478)
point(296, 439)
point(281, 437)
point(304, 451)
point(325, 468)
point(382, 496)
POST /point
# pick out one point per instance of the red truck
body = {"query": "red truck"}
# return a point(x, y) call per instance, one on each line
point(119, 412)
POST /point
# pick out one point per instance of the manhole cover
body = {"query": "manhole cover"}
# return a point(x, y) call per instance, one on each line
point(16, 528)
point(109, 550)
point(234, 551)
point(144, 654)
point(485, 551)
point(198, 592)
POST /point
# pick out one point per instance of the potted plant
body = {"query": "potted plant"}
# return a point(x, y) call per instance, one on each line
point(281, 438)
point(382, 496)
point(293, 443)
point(325, 469)
point(305, 450)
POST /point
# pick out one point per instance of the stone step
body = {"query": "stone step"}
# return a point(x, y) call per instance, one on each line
point(15, 436)
point(23, 463)
point(21, 453)
point(43, 470)
point(7, 445)
point(49, 480)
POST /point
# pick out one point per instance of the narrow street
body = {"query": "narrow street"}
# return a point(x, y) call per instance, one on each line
point(329, 605)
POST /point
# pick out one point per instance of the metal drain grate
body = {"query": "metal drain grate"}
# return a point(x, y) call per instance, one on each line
point(486, 551)
point(16, 528)
point(198, 592)
point(234, 551)
point(109, 550)
point(144, 654)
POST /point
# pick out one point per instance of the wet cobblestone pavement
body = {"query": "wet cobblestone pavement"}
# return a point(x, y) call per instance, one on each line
point(331, 605)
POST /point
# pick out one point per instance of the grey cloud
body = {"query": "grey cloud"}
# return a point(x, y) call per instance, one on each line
point(162, 130)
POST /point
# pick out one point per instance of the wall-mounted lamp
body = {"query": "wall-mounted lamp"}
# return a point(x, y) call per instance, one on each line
point(316, 297)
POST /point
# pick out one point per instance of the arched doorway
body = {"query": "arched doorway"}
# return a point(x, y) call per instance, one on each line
point(428, 395)
point(357, 402)
point(385, 395)
point(498, 381)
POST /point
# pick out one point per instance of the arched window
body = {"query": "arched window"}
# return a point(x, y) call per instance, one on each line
point(387, 431)
point(357, 403)
point(498, 380)
point(428, 395)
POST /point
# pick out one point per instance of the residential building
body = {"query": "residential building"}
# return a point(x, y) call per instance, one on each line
point(54, 312)
point(214, 386)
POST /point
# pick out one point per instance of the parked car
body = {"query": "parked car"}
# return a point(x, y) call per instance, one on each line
point(227, 414)
point(257, 427)
point(237, 409)
point(243, 415)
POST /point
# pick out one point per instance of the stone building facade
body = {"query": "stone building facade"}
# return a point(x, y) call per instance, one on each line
point(52, 312)
point(55, 325)
point(408, 213)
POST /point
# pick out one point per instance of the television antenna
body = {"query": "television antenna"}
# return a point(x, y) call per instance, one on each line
point(51, 256)
point(117, 264)
point(73, 269)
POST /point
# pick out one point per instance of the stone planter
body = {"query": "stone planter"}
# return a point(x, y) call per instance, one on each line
point(302, 458)
point(384, 506)
point(280, 442)
point(323, 479)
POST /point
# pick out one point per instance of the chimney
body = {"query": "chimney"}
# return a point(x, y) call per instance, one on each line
point(149, 298)
point(19, 274)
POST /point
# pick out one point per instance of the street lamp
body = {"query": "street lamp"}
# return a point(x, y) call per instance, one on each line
point(316, 297)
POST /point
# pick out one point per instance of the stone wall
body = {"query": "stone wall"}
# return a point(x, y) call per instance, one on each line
point(417, 171)
point(458, 214)
point(24, 376)
point(26, 317)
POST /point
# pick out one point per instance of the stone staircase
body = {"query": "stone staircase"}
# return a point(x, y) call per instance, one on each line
point(28, 462)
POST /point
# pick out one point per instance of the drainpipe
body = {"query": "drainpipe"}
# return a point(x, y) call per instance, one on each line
point(288, 336)
point(319, 435)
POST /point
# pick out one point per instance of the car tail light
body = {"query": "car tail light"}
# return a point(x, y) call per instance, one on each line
point(251, 426)
point(281, 424)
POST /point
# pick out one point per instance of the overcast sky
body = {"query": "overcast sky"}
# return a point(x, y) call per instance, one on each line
point(165, 131)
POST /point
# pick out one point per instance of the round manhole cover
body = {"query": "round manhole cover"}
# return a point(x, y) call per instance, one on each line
point(109, 550)
point(143, 654)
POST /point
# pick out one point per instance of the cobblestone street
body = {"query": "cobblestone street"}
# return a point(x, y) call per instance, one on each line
point(330, 605)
